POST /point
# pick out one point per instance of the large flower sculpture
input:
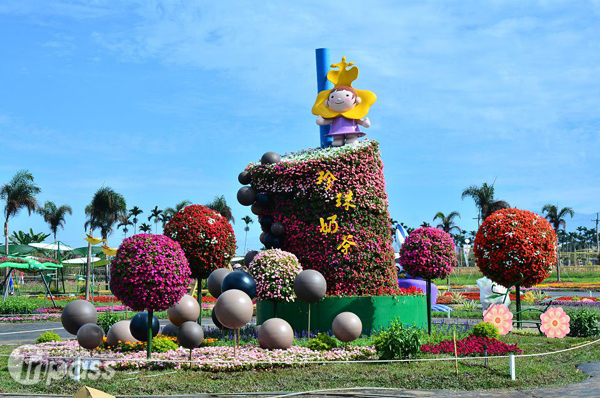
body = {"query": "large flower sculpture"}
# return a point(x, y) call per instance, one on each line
point(428, 253)
point(513, 242)
point(205, 236)
point(500, 316)
point(555, 323)
point(274, 272)
point(149, 272)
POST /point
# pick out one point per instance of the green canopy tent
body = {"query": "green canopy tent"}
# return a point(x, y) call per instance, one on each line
point(16, 249)
point(25, 265)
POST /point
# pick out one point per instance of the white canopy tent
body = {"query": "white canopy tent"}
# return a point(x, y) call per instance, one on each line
point(81, 260)
point(51, 246)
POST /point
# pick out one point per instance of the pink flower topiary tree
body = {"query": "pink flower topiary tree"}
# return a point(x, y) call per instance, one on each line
point(428, 253)
point(150, 272)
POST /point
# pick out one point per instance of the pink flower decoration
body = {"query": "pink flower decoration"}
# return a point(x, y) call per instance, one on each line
point(555, 323)
point(500, 316)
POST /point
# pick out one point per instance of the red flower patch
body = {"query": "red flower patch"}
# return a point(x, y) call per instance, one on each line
point(472, 346)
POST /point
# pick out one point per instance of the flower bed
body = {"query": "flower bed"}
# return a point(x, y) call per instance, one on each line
point(212, 359)
point(472, 346)
point(15, 319)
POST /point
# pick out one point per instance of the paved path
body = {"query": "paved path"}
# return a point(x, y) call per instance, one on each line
point(27, 333)
point(589, 388)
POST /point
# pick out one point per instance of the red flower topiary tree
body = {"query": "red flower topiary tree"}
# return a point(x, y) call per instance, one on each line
point(149, 272)
point(205, 236)
point(207, 239)
point(428, 253)
point(515, 248)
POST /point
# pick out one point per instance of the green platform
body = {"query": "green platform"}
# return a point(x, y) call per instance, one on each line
point(375, 312)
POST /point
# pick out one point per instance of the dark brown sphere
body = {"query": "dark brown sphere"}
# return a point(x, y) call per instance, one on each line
point(78, 313)
point(90, 336)
point(249, 257)
point(169, 330)
point(190, 335)
point(186, 309)
point(215, 280)
point(257, 209)
point(270, 158)
point(262, 237)
point(244, 178)
point(277, 228)
point(246, 195)
point(275, 334)
point(310, 286)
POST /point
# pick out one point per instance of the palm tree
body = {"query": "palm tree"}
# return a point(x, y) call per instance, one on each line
point(145, 227)
point(170, 211)
point(19, 193)
point(248, 220)
point(484, 200)
point(105, 210)
point(135, 211)
point(25, 238)
point(219, 204)
point(124, 223)
point(447, 222)
point(55, 216)
point(557, 219)
point(156, 214)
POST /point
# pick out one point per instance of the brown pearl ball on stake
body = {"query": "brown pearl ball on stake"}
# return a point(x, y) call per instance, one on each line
point(347, 327)
point(234, 309)
point(186, 309)
point(90, 336)
point(275, 334)
point(310, 286)
point(120, 332)
point(78, 313)
point(215, 280)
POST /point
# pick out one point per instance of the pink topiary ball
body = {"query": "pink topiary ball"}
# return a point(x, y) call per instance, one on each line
point(149, 272)
point(428, 253)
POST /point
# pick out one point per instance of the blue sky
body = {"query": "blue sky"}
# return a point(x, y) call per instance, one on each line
point(165, 101)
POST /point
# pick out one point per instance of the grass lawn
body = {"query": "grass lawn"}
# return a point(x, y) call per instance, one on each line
point(531, 372)
point(469, 276)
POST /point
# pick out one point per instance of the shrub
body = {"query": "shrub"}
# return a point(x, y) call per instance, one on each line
point(398, 342)
point(428, 253)
point(106, 319)
point(162, 343)
point(512, 242)
point(48, 337)
point(205, 236)
point(486, 329)
point(322, 342)
point(584, 323)
point(149, 272)
point(274, 272)
point(472, 346)
point(18, 305)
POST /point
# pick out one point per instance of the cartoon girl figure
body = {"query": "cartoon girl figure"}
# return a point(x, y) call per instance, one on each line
point(343, 130)
point(344, 107)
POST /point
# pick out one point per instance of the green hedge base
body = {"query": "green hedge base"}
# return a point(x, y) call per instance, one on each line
point(375, 312)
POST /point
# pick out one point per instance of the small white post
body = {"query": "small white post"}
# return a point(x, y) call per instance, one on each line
point(77, 370)
point(513, 373)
